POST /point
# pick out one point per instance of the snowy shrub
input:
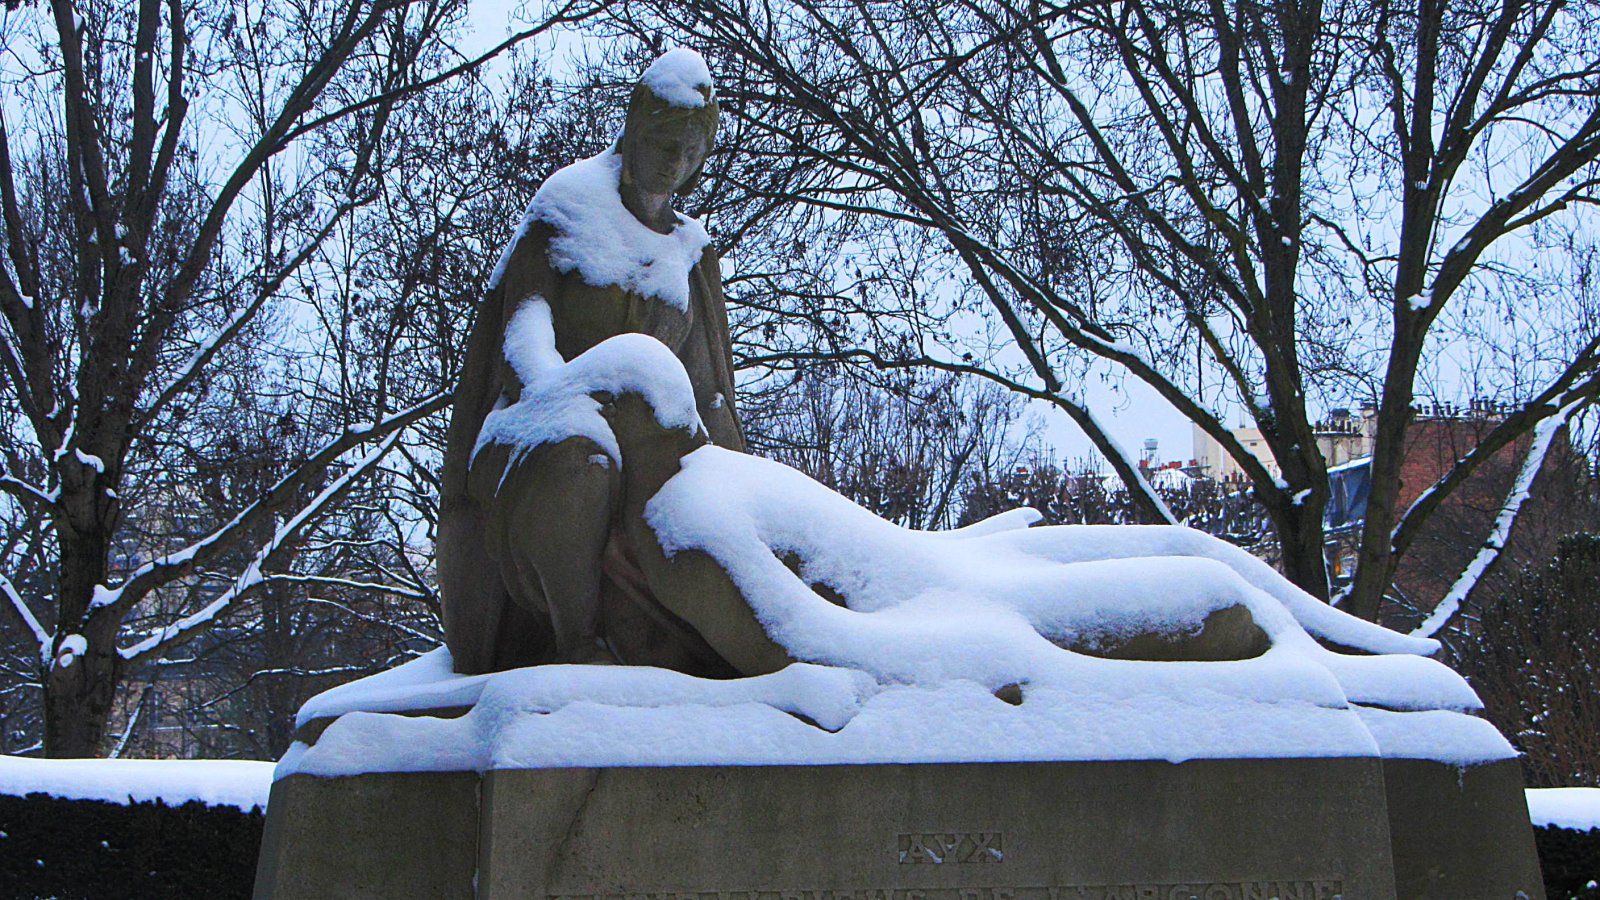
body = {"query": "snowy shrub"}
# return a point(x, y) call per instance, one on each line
point(1532, 657)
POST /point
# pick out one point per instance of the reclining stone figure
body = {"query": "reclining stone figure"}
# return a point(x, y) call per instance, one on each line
point(597, 506)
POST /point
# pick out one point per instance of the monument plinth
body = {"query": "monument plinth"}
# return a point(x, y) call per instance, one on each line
point(780, 807)
point(679, 672)
point(1201, 830)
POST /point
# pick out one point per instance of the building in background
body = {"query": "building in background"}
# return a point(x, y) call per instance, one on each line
point(1342, 437)
point(1438, 435)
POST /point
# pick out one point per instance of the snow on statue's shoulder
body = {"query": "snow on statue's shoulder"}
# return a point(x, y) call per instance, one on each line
point(599, 240)
point(679, 77)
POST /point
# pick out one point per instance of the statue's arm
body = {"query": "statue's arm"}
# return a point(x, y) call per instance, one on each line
point(708, 355)
point(485, 374)
point(473, 598)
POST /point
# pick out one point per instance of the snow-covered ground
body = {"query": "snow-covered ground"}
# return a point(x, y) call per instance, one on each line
point(215, 782)
point(1577, 808)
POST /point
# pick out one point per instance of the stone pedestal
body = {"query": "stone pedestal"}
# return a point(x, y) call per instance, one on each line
point(1307, 829)
point(1460, 832)
point(394, 835)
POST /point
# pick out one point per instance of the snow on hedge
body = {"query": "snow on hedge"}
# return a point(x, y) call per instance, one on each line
point(1577, 808)
point(241, 783)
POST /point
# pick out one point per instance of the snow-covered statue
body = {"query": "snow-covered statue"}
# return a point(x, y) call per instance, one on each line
point(531, 566)
point(598, 507)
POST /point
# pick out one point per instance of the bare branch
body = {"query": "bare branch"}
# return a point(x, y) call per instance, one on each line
point(254, 578)
point(159, 571)
point(1543, 437)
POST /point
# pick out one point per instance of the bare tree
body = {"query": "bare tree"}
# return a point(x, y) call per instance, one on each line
point(1086, 495)
point(173, 176)
point(905, 450)
point(1261, 207)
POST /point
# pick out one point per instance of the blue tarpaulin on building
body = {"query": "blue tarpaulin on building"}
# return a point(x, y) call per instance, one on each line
point(1348, 488)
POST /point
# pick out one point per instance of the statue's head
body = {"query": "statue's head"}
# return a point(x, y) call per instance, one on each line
point(671, 124)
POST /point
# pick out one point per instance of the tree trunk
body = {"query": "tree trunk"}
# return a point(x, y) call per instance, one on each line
point(77, 702)
point(1376, 564)
point(85, 667)
point(1300, 538)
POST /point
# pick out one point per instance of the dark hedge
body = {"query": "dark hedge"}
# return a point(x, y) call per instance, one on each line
point(1571, 862)
point(91, 850)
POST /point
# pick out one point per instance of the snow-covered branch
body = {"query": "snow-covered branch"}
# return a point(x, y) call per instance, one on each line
point(1543, 438)
point(329, 581)
point(23, 490)
point(1126, 465)
point(1579, 384)
point(165, 568)
point(133, 723)
point(15, 601)
point(253, 578)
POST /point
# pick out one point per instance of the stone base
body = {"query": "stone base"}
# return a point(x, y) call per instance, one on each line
point(1306, 829)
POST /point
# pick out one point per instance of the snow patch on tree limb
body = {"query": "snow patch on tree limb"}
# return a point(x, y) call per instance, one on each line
point(40, 635)
point(1543, 437)
point(253, 578)
point(1140, 482)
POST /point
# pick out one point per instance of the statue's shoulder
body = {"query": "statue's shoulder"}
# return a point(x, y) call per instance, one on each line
point(576, 195)
point(558, 209)
point(524, 265)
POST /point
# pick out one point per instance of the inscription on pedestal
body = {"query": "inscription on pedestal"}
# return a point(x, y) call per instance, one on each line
point(941, 847)
point(1014, 831)
point(1247, 889)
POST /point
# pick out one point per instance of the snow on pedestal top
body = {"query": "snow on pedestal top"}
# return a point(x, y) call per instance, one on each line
point(591, 716)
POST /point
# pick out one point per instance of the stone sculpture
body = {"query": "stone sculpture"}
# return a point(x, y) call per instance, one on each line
point(531, 567)
point(1110, 711)
point(546, 552)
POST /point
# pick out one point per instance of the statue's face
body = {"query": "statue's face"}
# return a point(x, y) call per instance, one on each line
point(666, 156)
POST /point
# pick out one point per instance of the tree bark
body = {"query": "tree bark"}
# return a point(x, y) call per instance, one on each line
point(81, 683)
